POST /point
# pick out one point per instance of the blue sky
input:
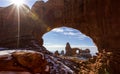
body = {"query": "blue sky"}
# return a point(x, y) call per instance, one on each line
point(57, 38)
point(8, 2)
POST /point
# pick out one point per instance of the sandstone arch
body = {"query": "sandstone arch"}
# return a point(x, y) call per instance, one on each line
point(91, 21)
point(98, 19)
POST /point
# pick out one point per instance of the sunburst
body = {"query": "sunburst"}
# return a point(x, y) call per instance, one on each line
point(17, 2)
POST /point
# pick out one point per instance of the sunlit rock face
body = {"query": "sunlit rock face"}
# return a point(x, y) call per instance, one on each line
point(18, 25)
point(11, 17)
point(14, 22)
point(98, 19)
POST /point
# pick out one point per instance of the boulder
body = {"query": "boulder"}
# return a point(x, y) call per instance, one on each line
point(23, 60)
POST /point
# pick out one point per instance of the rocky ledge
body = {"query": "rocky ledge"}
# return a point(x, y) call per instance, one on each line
point(33, 59)
point(36, 59)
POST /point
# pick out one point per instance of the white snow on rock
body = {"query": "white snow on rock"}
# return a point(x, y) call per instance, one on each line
point(58, 67)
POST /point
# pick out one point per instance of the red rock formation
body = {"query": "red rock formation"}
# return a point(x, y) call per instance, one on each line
point(62, 52)
point(29, 61)
point(18, 23)
point(98, 19)
point(68, 50)
point(77, 52)
point(56, 53)
point(9, 24)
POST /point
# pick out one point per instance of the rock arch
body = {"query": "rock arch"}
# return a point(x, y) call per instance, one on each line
point(93, 22)
point(98, 19)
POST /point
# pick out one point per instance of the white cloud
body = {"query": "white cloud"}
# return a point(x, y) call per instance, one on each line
point(76, 35)
point(83, 46)
point(70, 33)
point(47, 43)
point(54, 46)
point(69, 29)
point(58, 30)
point(81, 37)
point(63, 29)
point(59, 46)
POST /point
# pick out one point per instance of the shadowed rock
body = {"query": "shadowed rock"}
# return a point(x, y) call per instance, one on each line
point(22, 60)
point(98, 19)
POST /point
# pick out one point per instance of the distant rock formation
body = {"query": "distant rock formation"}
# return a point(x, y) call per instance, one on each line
point(98, 19)
point(68, 50)
point(77, 52)
point(62, 52)
point(56, 53)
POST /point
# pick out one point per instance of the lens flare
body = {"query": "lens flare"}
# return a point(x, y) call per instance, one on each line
point(17, 2)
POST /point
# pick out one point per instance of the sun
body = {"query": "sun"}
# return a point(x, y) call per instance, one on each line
point(17, 2)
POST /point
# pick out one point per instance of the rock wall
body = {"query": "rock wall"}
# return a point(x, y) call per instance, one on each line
point(98, 19)
point(93, 18)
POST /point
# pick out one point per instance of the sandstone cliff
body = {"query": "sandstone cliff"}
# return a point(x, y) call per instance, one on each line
point(98, 19)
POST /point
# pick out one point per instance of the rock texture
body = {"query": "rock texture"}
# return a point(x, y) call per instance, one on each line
point(68, 50)
point(16, 24)
point(98, 19)
point(56, 53)
point(33, 59)
point(93, 18)
point(76, 52)
point(23, 60)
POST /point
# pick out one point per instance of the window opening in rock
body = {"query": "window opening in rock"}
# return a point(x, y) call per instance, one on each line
point(58, 39)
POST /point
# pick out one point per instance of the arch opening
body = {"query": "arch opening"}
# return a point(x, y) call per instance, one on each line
point(56, 39)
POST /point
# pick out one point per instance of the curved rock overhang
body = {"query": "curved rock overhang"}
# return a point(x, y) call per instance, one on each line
point(98, 19)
